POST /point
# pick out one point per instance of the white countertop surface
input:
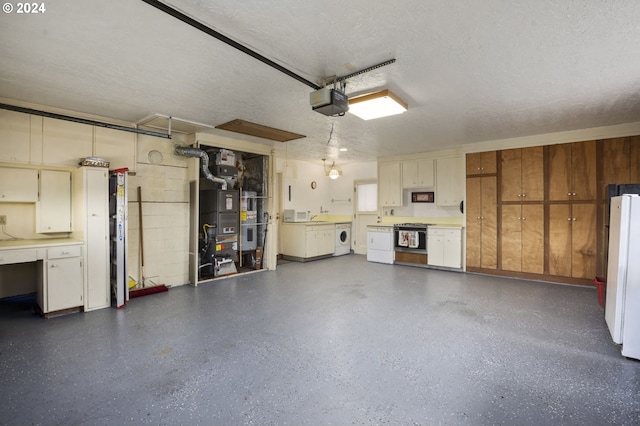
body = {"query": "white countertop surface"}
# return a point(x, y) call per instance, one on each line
point(37, 243)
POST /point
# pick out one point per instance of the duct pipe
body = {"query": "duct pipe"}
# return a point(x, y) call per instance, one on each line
point(188, 151)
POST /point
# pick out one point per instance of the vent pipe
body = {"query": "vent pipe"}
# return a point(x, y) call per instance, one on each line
point(188, 151)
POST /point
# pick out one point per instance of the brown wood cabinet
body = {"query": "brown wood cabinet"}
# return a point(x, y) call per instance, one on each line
point(572, 240)
point(481, 163)
point(572, 171)
point(522, 238)
point(522, 174)
point(482, 226)
point(621, 160)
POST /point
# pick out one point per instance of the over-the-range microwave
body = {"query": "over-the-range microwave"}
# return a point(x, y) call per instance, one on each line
point(296, 216)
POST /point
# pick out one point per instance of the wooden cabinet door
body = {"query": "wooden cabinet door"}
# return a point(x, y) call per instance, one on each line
point(533, 174)
point(481, 163)
point(620, 161)
point(560, 172)
point(511, 175)
point(511, 247)
point(474, 228)
point(533, 238)
point(489, 223)
point(572, 240)
point(522, 248)
point(560, 240)
point(482, 222)
point(583, 240)
point(634, 157)
point(583, 170)
point(572, 171)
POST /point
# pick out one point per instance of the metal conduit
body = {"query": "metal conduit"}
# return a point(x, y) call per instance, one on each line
point(83, 121)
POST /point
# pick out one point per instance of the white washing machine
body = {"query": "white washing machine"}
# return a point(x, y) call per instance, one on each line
point(343, 239)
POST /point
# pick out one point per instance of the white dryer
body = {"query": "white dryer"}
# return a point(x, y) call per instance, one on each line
point(343, 239)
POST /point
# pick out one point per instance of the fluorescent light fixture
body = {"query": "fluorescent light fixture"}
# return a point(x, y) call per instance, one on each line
point(376, 105)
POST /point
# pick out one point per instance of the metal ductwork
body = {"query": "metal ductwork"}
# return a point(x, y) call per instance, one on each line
point(188, 151)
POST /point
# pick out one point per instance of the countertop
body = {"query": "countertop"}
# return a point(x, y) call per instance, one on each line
point(37, 243)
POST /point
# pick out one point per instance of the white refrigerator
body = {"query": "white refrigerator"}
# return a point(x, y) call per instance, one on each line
point(622, 308)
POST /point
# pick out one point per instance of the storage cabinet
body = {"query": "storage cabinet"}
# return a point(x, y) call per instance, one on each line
point(572, 240)
point(117, 146)
point(445, 247)
point(522, 172)
point(18, 185)
point(522, 244)
point(572, 171)
point(64, 143)
point(91, 195)
point(53, 210)
point(482, 224)
point(449, 181)
point(320, 240)
point(306, 241)
point(621, 160)
point(389, 184)
point(61, 281)
point(481, 163)
point(15, 138)
point(418, 173)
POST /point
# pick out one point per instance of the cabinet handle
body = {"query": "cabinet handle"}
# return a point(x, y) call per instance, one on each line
point(574, 219)
point(569, 194)
point(569, 219)
point(524, 218)
point(1, 195)
point(524, 195)
point(573, 193)
point(94, 214)
point(53, 265)
point(519, 195)
point(65, 252)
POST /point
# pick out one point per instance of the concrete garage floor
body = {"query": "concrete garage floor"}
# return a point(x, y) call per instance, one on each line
point(338, 341)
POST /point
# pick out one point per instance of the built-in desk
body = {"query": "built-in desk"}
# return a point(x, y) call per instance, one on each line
point(60, 276)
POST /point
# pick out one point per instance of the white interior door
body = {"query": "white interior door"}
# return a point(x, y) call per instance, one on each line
point(365, 212)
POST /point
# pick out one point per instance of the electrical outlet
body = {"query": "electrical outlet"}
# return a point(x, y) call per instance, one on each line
point(3, 219)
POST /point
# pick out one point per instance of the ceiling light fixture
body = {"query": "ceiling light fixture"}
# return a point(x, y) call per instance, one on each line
point(376, 105)
point(333, 172)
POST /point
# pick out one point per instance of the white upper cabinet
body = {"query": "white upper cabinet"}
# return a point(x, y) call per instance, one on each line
point(64, 143)
point(450, 181)
point(18, 185)
point(116, 146)
point(53, 210)
point(14, 136)
point(418, 173)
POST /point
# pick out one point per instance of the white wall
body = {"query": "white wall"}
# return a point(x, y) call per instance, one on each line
point(334, 197)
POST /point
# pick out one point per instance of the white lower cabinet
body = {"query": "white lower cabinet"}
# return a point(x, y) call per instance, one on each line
point(61, 285)
point(445, 247)
point(305, 241)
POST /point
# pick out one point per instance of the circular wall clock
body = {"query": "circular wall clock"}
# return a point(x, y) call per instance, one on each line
point(314, 185)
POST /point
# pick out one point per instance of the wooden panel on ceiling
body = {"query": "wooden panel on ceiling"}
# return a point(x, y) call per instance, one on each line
point(258, 130)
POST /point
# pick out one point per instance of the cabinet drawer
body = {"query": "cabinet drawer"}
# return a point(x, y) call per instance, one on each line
point(64, 251)
point(17, 256)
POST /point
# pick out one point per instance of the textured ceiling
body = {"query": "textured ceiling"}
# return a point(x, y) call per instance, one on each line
point(470, 71)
